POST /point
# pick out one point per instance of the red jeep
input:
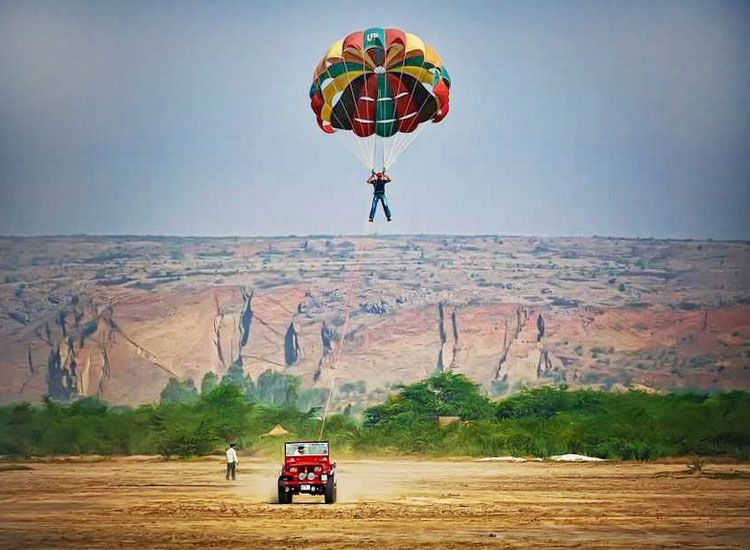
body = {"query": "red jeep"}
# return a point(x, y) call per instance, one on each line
point(307, 469)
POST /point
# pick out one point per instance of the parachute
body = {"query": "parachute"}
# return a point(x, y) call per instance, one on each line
point(377, 88)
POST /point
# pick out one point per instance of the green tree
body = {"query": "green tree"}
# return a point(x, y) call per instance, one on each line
point(18, 427)
point(177, 391)
point(313, 398)
point(445, 394)
point(228, 409)
point(275, 388)
point(459, 396)
point(235, 375)
point(209, 382)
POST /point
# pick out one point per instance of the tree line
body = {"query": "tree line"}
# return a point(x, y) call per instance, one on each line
point(536, 422)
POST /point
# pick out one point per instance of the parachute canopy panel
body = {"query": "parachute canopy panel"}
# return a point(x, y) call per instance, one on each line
point(379, 82)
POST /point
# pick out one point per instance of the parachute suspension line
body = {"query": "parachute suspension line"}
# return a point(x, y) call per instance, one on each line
point(409, 139)
point(372, 142)
point(353, 147)
point(379, 140)
point(340, 345)
point(412, 136)
point(357, 147)
point(392, 143)
point(397, 140)
point(368, 143)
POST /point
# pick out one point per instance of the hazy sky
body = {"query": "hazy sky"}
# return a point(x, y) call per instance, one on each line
point(193, 118)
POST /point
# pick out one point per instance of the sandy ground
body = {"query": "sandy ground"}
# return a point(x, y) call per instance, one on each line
point(396, 503)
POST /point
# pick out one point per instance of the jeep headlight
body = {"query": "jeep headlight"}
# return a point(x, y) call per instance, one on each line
point(323, 477)
point(311, 476)
point(301, 476)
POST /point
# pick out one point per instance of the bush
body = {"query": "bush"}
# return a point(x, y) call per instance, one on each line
point(186, 441)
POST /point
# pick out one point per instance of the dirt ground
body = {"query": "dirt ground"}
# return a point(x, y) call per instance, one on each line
point(385, 503)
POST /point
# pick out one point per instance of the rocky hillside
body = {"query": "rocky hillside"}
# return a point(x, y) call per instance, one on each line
point(115, 317)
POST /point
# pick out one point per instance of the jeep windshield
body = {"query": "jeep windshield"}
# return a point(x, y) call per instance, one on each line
point(307, 448)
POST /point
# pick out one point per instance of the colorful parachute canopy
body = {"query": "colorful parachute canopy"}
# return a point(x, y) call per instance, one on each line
point(379, 82)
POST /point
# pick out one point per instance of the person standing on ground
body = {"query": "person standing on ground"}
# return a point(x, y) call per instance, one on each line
point(232, 462)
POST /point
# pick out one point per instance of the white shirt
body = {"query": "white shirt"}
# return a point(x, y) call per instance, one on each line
point(231, 455)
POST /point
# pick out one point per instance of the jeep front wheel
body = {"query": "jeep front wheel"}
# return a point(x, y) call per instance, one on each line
point(330, 491)
point(284, 496)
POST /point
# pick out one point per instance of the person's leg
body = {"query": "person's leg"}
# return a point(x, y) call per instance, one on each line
point(229, 469)
point(386, 207)
point(234, 471)
point(374, 207)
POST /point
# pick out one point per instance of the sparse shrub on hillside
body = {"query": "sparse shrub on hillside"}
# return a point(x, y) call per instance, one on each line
point(595, 352)
point(700, 362)
point(89, 328)
point(591, 377)
point(177, 254)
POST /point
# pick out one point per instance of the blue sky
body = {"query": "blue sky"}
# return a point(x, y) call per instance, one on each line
point(193, 118)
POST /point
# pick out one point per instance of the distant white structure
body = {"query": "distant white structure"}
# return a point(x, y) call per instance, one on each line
point(575, 458)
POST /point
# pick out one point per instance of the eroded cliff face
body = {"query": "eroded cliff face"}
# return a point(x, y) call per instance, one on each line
point(246, 317)
point(441, 331)
point(440, 367)
point(328, 337)
point(78, 341)
point(66, 339)
point(117, 317)
point(232, 327)
point(292, 348)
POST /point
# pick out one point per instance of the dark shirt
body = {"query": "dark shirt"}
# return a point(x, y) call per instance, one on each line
point(379, 186)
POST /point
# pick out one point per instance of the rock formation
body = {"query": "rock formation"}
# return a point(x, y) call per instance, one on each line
point(291, 345)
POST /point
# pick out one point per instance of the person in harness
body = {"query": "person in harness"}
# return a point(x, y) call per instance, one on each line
point(378, 181)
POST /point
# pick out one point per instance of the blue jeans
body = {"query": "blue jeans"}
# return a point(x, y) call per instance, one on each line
point(381, 198)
